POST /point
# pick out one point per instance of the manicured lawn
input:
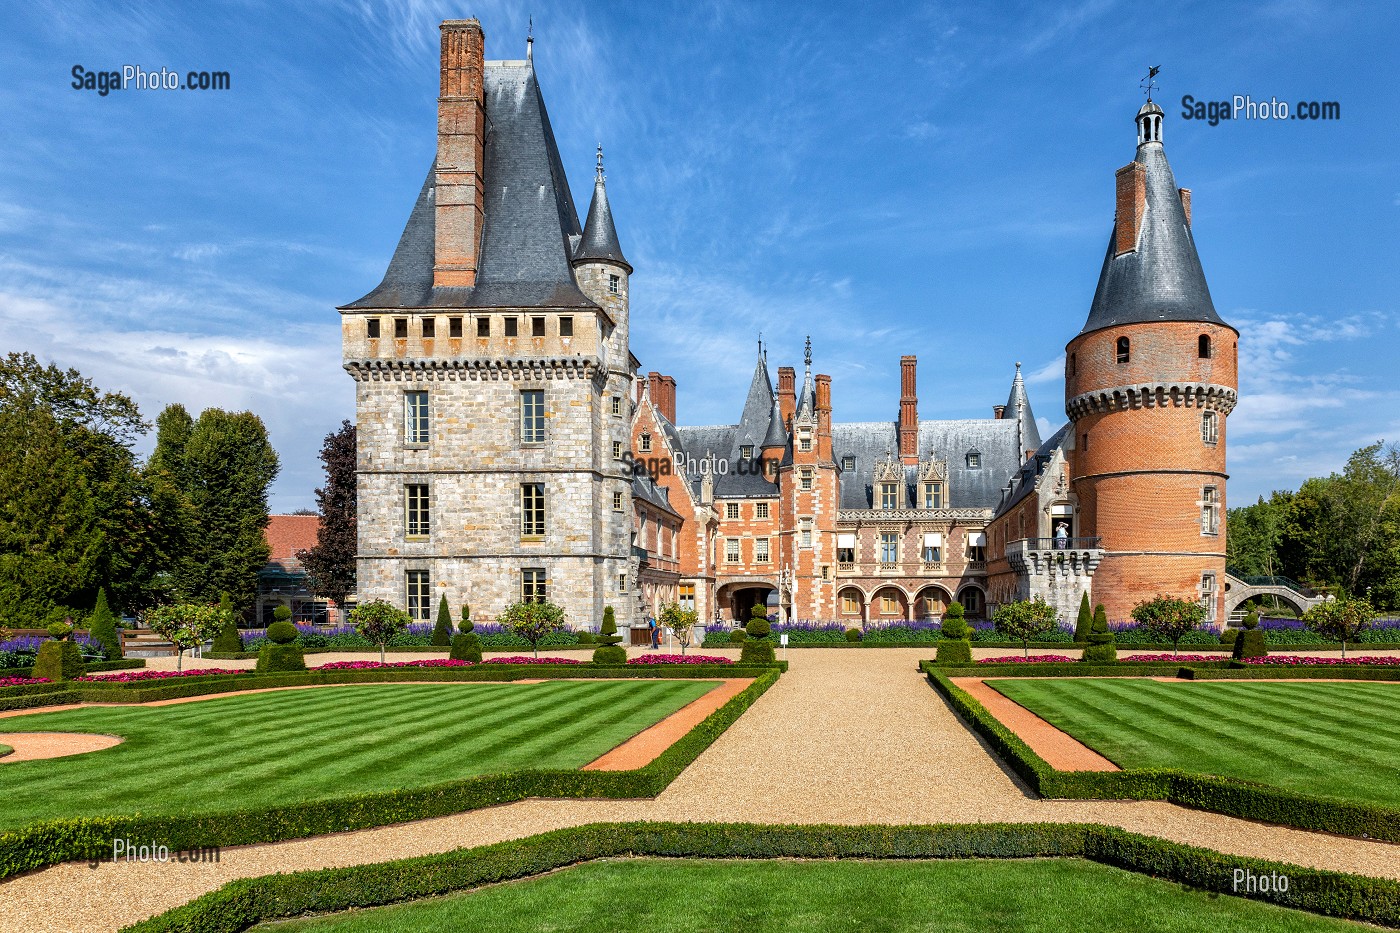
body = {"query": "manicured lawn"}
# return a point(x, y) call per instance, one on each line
point(1328, 739)
point(971, 896)
point(285, 746)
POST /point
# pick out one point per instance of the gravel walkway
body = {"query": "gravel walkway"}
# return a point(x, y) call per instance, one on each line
point(32, 746)
point(847, 736)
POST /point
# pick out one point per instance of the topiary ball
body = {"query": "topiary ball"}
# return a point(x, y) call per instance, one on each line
point(1251, 621)
point(610, 655)
point(758, 628)
point(281, 633)
point(738, 636)
point(852, 634)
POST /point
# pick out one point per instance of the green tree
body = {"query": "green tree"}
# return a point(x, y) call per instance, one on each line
point(442, 631)
point(532, 621)
point(224, 468)
point(1341, 619)
point(378, 622)
point(330, 565)
point(102, 627)
point(1100, 649)
point(1169, 617)
point(185, 625)
point(1085, 620)
point(1024, 621)
point(229, 639)
point(679, 622)
point(1252, 546)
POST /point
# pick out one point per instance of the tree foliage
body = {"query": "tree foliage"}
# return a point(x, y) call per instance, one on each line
point(102, 627)
point(1169, 617)
point(378, 622)
point(1085, 621)
point(1340, 619)
point(680, 623)
point(1025, 621)
point(330, 565)
point(185, 625)
point(442, 631)
point(532, 621)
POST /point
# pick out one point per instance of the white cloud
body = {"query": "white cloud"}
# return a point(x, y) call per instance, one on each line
point(1050, 372)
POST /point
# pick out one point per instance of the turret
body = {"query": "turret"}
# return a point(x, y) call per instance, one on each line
point(1149, 383)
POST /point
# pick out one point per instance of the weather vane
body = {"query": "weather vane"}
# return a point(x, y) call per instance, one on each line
point(1149, 83)
point(530, 40)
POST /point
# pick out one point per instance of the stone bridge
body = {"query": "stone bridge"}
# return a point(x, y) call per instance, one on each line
point(1238, 589)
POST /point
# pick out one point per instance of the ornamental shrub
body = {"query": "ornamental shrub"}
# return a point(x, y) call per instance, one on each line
point(738, 636)
point(679, 622)
point(1340, 620)
point(466, 646)
point(283, 656)
point(607, 632)
point(610, 655)
point(1250, 643)
point(1169, 617)
point(1228, 636)
point(756, 651)
point(102, 626)
point(758, 625)
point(954, 651)
point(281, 632)
point(1101, 649)
point(465, 625)
point(378, 622)
point(60, 659)
point(282, 614)
point(186, 625)
point(442, 632)
point(954, 626)
point(228, 639)
point(853, 635)
point(533, 620)
point(1085, 621)
point(1025, 621)
point(954, 645)
point(585, 638)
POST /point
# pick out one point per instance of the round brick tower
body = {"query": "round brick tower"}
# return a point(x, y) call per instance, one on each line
point(1149, 384)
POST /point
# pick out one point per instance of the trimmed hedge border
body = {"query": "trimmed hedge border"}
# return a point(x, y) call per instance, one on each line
point(241, 904)
point(1227, 796)
point(126, 664)
point(49, 842)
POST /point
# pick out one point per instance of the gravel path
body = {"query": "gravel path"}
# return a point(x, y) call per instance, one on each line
point(847, 736)
point(32, 746)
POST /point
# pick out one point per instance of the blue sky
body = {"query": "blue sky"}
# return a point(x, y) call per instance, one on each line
point(890, 178)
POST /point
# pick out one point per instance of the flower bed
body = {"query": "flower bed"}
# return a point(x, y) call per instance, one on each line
point(22, 681)
point(1172, 657)
point(679, 659)
point(1033, 659)
point(1293, 660)
point(522, 659)
point(372, 665)
point(127, 677)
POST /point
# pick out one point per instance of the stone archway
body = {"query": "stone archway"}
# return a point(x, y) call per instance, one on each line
point(736, 600)
point(931, 602)
point(974, 600)
point(889, 603)
point(848, 614)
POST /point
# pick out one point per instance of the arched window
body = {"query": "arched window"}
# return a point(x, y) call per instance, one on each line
point(1123, 350)
point(1203, 346)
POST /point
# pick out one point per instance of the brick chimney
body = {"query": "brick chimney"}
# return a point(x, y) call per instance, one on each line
point(822, 406)
point(1131, 205)
point(998, 412)
point(787, 393)
point(459, 193)
point(1185, 195)
point(663, 394)
point(908, 411)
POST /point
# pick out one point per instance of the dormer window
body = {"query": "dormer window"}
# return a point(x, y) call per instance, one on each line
point(646, 443)
point(746, 451)
point(1203, 346)
point(1124, 353)
point(889, 495)
point(848, 463)
point(933, 495)
point(974, 460)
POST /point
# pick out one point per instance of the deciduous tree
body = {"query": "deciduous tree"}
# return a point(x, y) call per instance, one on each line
point(330, 565)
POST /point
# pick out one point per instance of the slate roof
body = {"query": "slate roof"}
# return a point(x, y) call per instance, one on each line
point(1018, 406)
point(1162, 279)
point(531, 227)
point(599, 234)
point(1025, 478)
point(871, 443)
point(645, 488)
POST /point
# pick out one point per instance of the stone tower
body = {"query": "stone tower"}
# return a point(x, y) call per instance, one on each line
point(491, 370)
point(1149, 384)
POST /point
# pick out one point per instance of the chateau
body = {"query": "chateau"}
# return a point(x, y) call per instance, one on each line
point(510, 446)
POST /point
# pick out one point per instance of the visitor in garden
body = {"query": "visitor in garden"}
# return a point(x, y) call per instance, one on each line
point(655, 633)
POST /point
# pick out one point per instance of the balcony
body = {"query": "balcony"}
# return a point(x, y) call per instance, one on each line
point(1061, 556)
point(977, 566)
point(846, 566)
point(931, 566)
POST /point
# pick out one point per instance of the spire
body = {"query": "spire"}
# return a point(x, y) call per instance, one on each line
point(599, 240)
point(1151, 271)
point(777, 433)
point(1018, 406)
point(530, 41)
point(807, 400)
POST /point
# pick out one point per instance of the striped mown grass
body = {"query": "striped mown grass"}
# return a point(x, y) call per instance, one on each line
point(1339, 740)
point(268, 748)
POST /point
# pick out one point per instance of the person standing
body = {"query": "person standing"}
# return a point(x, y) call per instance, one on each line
point(1061, 536)
point(655, 632)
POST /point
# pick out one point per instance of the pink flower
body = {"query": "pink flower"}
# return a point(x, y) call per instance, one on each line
point(679, 659)
point(1180, 657)
point(1033, 659)
point(22, 681)
point(1294, 660)
point(371, 665)
point(522, 659)
point(127, 677)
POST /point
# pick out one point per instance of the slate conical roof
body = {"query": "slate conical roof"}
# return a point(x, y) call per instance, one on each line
point(530, 228)
point(1018, 406)
point(599, 240)
point(1162, 279)
point(755, 419)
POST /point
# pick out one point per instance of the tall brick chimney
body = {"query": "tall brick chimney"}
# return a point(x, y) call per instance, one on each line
point(787, 393)
point(663, 394)
point(459, 192)
point(670, 386)
point(908, 411)
point(1131, 205)
point(822, 407)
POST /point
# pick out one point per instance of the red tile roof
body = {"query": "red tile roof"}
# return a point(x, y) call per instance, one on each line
point(287, 534)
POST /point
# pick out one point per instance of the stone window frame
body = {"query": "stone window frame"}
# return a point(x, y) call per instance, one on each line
point(454, 328)
point(1210, 510)
point(804, 440)
point(616, 405)
point(417, 511)
point(889, 602)
point(804, 478)
point(483, 325)
point(1207, 590)
point(889, 496)
point(617, 450)
point(622, 582)
point(412, 418)
point(427, 327)
point(889, 547)
point(685, 595)
point(537, 325)
point(1210, 427)
point(617, 502)
point(804, 532)
point(731, 551)
point(534, 512)
point(510, 326)
point(533, 436)
point(566, 325)
point(645, 443)
point(400, 328)
point(760, 510)
point(933, 495)
point(418, 593)
point(762, 554)
point(534, 584)
point(614, 284)
point(850, 602)
point(731, 511)
point(372, 328)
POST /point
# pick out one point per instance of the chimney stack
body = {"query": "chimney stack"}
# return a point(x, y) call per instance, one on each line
point(669, 385)
point(663, 394)
point(459, 194)
point(787, 394)
point(998, 412)
point(1185, 195)
point(908, 411)
point(1130, 208)
point(822, 406)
